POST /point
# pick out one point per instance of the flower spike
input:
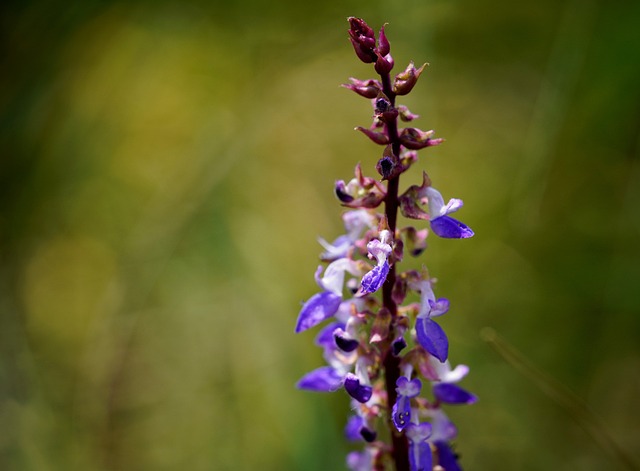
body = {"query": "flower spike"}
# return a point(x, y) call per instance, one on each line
point(378, 345)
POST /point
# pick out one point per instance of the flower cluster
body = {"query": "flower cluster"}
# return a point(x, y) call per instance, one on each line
point(379, 348)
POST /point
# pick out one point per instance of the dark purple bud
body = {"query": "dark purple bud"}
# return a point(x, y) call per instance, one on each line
point(366, 88)
point(405, 81)
point(384, 64)
point(344, 341)
point(363, 39)
point(377, 137)
point(359, 392)
point(453, 394)
point(383, 43)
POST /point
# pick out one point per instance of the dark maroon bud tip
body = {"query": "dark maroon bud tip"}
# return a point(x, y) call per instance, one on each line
point(383, 43)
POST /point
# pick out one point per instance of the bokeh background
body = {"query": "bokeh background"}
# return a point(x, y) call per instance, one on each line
point(166, 168)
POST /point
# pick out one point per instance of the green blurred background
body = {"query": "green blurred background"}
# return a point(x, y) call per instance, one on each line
point(166, 168)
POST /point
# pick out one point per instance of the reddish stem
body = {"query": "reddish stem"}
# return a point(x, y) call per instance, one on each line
point(400, 445)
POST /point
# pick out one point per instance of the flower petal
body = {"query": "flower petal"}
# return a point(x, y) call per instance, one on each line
point(324, 338)
point(360, 392)
point(446, 457)
point(323, 379)
point(373, 280)
point(453, 394)
point(432, 338)
point(319, 307)
point(352, 429)
point(449, 228)
point(419, 450)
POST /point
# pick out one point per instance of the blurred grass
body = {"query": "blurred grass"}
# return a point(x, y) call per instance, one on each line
point(165, 172)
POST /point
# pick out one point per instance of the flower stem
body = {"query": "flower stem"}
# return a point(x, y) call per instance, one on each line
point(400, 446)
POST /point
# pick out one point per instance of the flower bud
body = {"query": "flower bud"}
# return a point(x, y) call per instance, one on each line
point(405, 114)
point(384, 64)
point(377, 137)
point(363, 39)
point(406, 80)
point(366, 88)
point(383, 43)
point(413, 138)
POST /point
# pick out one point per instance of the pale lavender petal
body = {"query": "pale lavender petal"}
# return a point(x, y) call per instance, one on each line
point(319, 307)
point(408, 388)
point(432, 338)
point(337, 249)
point(436, 202)
point(323, 379)
point(452, 206)
point(438, 307)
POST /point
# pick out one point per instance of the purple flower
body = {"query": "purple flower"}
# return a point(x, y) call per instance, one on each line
point(419, 449)
point(325, 304)
point(344, 341)
point(401, 412)
point(444, 388)
point(429, 334)
point(380, 250)
point(441, 224)
point(443, 431)
point(319, 307)
point(357, 429)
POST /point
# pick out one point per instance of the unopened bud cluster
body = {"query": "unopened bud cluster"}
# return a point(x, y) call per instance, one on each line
point(388, 354)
